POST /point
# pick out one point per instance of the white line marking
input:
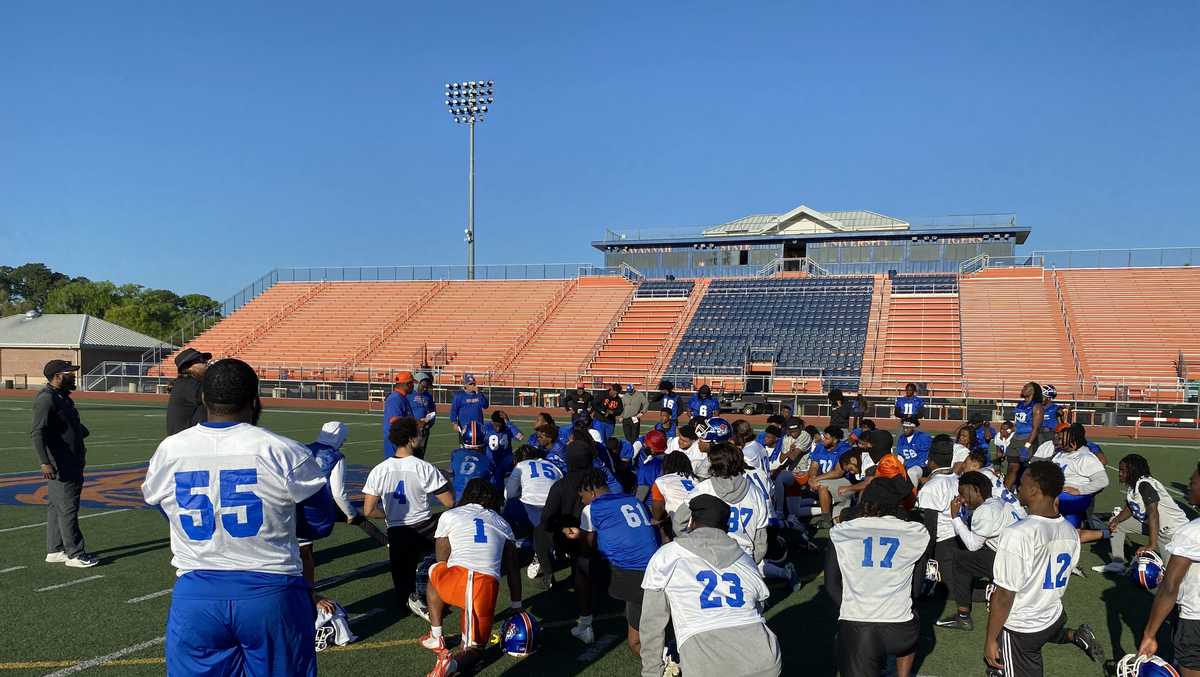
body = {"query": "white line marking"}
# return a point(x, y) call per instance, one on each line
point(152, 595)
point(82, 517)
point(340, 578)
point(70, 583)
point(96, 465)
point(101, 660)
point(358, 617)
point(4, 571)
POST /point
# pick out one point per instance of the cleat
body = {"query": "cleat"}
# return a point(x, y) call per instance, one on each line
point(670, 666)
point(56, 557)
point(418, 607)
point(1113, 567)
point(1085, 638)
point(433, 643)
point(583, 633)
point(84, 561)
point(535, 567)
point(1076, 571)
point(956, 622)
point(445, 666)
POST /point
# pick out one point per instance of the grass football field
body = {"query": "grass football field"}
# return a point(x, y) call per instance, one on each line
point(109, 620)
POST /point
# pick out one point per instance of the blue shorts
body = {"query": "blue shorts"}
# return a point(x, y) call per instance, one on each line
point(1074, 508)
point(223, 624)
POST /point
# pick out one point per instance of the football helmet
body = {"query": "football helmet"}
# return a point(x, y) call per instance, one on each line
point(1133, 665)
point(1147, 570)
point(1049, 392)
point(987, 595)
point(472, 435)
point(520, 635)
point(933, 576)
point(714, 430)
point(333, 628)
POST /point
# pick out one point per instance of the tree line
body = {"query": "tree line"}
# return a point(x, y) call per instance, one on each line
point(160, 313)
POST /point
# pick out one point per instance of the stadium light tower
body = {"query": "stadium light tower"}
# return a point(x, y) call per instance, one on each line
point(468, 103)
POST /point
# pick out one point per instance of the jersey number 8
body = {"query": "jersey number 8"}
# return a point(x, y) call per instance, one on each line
point(230, 480)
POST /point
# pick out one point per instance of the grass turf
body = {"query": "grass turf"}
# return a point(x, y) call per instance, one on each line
point(51, 630)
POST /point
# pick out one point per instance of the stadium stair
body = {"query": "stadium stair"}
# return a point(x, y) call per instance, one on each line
point(628, 353)
point(1131, 325)
point(553, 346)
point(396, 324)
point(1013, 332)
point(872, 372)
point(922, 339)
point(699, 289)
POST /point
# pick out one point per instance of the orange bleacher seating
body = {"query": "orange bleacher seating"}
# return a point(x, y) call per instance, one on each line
point(637, 341)
point(921, 343)
point(555, 354)
point(1130, 324)
point(1013, 332)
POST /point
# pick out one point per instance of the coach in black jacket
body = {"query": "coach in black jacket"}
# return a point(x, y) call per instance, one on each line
point(58, 442)
point(186, 408)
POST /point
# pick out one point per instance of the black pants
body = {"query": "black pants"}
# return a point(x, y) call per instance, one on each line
point(407, 546)
point(62, 516)
point(969, 566)
point(632, 430)
point(1022, 652)
point(862, 648)
point(946, 552)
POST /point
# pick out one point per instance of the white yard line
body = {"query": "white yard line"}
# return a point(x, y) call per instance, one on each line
point(101, 660)
point(95, 465)
point(349, 575)
point(70, 583)
point(4, 571)
point(152, 595)
point(82, 517)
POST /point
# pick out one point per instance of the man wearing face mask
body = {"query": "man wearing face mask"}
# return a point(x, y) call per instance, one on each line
point(58, 441)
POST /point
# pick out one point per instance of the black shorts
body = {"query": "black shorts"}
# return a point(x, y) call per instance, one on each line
point(862, 648)
point(1022, 651)
point(1187, 643)
point(1016, 450)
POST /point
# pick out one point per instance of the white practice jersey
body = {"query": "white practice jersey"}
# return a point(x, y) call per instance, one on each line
point(1045, 451)
point(938, 492)
point(702, 596)
point(1170, 516)
point(477, 538)
point(1186, 543)
point(1034, 558)
point(675, 490)
point(998, 488)
point(1079, 467)
point(876, 556)
point(760, 467)
point(993, 515)
point(230, 494)
point(531, 480)
point(960, 454)
point(403, 486)
point(746, 516)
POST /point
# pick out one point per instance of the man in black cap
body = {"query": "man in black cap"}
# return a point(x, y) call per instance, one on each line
point(186, 408)
point(58, 441)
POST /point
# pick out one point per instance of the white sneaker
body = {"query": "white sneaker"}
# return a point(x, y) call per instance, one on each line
point(56, 557)
point(433, 643)
point(583, 633)
point(1113, 567)
point(84, 561)
point(1076, 571)
point(415, 606)
point(535, 567)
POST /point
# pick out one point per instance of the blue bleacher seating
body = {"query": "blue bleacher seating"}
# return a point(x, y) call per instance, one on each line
point(815, 325)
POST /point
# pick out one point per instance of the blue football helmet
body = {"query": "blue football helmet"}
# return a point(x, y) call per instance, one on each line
point(1049, 392)
point(1147, 570)
point(473, 435)
point(1133, 665)
point(714, 430)
point(520, 635)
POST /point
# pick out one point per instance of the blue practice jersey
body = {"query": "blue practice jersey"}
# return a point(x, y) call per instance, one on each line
point(623, 531)
point(914, 450)
point(649, 471)
point(499, 441)
point(421, 404)
point(564, 435)
point(1049, 415)
point(1023, 418)
point(626, 451)
point(468, 407)
point(468, 464)
point(827, 459)
point(671, 404)
point(670, 429)
point(394, 407)
point(704, 407)
point(909, 407)
point(982, 436)
point(1094, 448)
point(557, 454)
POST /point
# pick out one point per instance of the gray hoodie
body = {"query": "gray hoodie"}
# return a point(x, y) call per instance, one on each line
point(745, 651)
point(731, 490)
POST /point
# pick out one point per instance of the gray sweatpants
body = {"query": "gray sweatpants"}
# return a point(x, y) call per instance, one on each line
point(62, 517)
point(746, 650)
point(1132, 526)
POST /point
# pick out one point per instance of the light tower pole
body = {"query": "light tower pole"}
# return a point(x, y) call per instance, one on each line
point(467, 103)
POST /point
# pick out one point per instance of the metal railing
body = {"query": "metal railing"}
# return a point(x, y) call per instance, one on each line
point(796, 265)
point(1154, 257)
point(984, 261)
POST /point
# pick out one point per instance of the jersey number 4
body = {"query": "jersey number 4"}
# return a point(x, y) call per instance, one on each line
point(735, 598)
point(230, 480)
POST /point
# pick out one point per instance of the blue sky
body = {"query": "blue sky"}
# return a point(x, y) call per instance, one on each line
point(195, 146)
